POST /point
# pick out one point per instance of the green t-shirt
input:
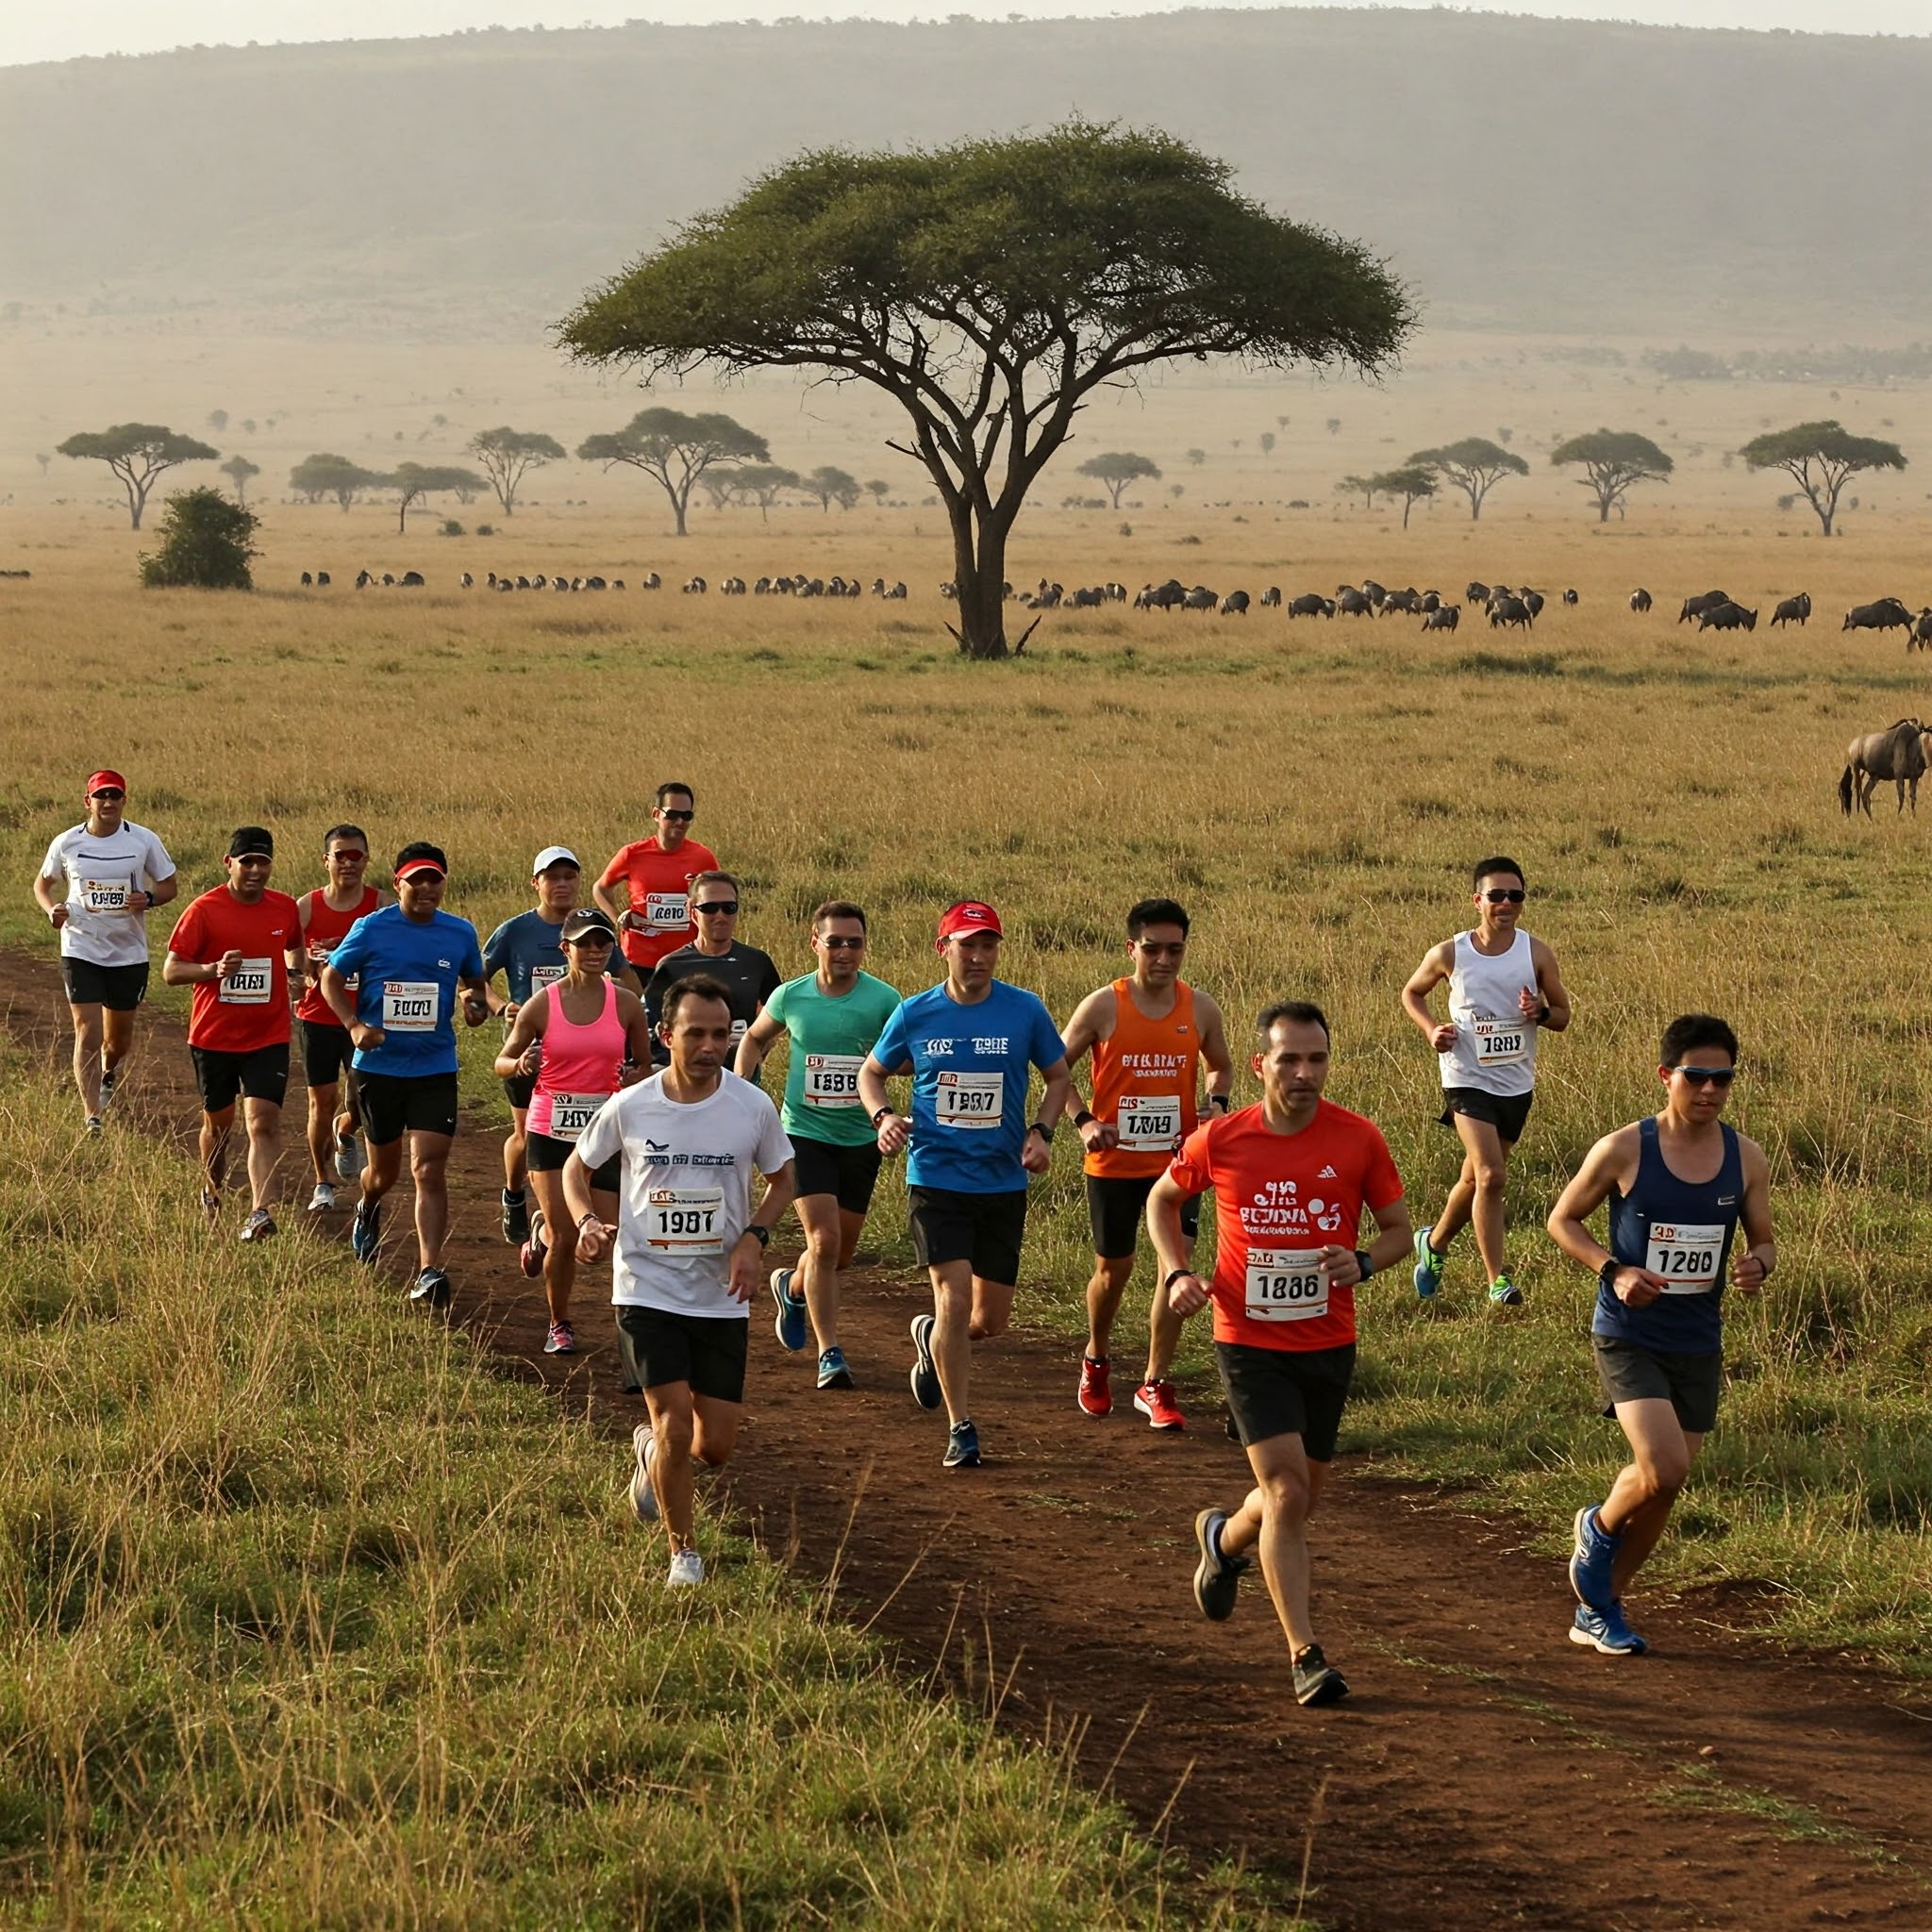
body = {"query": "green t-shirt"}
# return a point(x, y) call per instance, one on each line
point(830, 1038)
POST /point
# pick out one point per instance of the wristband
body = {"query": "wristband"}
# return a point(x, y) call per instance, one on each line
point(1173, 1274)
point(589, 1216)
point(1221, 1103)
point(763, 1234)
point(880, 1115)
point(1363, 1262)
point(1045, 1132)
point(1606, 1276)
point(1542, 1013)
point(1081, 1118)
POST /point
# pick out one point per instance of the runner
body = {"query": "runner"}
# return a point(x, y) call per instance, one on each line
point(572, 1037)
point(1504, 990)
point(1148, 1033)
point(968, 1043)
point(834, 1016)
point(749, 975)
point(1678, 1184)
point(109, 874)
point(406, 961)
point(688, 1247)
point(657, 873)
point(526, 951)
point(326, 915)
point(239, 947)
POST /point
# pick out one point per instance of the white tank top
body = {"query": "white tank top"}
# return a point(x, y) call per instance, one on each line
point(1495, 1046)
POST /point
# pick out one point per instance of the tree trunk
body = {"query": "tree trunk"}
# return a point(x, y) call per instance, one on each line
point(979, 573)
point(679, 501)
point(1603, 508)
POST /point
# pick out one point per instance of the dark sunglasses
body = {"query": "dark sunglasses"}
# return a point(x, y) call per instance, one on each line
point(837, 942)
point(591, 939)
point(719, 905)
point(108, 792)
point(684, 818)
point(1500, 895)
point(347, 857)
point(1699, 1076)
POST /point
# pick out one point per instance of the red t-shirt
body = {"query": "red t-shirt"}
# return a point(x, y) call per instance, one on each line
point(660, 883)
point(250, 1009)
point(327, 929)
point(1278, 1200)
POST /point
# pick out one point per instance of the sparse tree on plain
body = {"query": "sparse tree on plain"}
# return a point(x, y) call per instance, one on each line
point(762, 484)
point(1334, 425)
point(218, 420)
point(1267, 442)
point(831, 485)
point(1612, 460)
point(1821, 459)
point(413, 481)
point(44, 460)
point(328, 475)
point(667, 444)
point(879, 489)
point(206, 544)
point(990, 289)
point(1197, 457)
point(1117, 468)
point(137, 452)
point(237, 470)
point(1413, 482)
point(1474, 466)
point(1367, 488)
point(506, 455)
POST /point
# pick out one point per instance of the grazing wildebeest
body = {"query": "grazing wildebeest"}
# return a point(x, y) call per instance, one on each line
point(695, 586)
point(320, 578)
point(1533, 600)
point(1696, 607)
point(1884, 615)
point(1509, 611)
point(652, 582)
point(1353, 603)
point(1372, 592)
point(1432, 600)
point(1168, 596)
point(732, 587)
point(1897, 754)
point(307, 579)
point(1088, 597)
point(1271, 597)
point(468, 581)
point(411, 580)
point(1409, 602)
point(1727, 616)
point(363, 580)
point(1793, 610)
point(1311, 604)
point(598, 584)
point(504, 584)
point(1571, 597)
point(1920, 636)
point(1640, 600)
point(1475, 593)
point(1200, 598)
point(1235, 604)
point(1445, 617)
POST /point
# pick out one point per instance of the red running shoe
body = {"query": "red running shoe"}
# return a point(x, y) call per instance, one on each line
point(1096, 1394)
point(530, 1254)
point(1155, 1400)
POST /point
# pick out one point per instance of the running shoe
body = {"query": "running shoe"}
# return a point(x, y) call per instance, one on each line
point(1428, 1276)
point(365, 1231)
point(1097, 1388)
point(1215, 1576)
point(1504, 1292)
point(432, 1290)
point(562, 1339)
point(1155, 1400)
point(109, 1080)
point(962, 1446)
point(516, 1217)
point(644, 1498)
point(686, 1567)
point(530, 1256)
point(790, 1325)
point(926, 1376)
point(211, 1206)
point(350, 1158)
point(1592, 1560)
point(1606, 1631)
point(833, 1374)
point(323, 1198)
point(94, 1127)
point(259, 1226)
point(1316, 1680)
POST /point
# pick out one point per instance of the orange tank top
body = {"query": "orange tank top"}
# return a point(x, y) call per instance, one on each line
point(1144, 1083)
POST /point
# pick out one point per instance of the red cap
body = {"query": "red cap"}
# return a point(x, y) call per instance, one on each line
point(416, 865)
point(969, 915)
point(104, 779)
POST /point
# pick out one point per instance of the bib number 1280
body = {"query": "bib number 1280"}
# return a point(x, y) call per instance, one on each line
point(1686, 1253)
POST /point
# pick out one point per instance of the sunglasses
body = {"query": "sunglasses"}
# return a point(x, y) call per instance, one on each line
point(108, 792)
point(719, 905)
point(345, 857)
point(683, 817)
point(1700, 1076)
point(1504, 896)
point(835, 941)
point(591, 939)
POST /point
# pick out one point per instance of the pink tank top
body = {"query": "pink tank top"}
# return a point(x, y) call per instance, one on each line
point(580, 1068)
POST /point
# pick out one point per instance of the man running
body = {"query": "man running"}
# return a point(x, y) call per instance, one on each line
point(97, 884)
point(1678, 1184)
point(326, 914)
point(834, 1016)
point(1504, 990)
point(656, 874)
point(969, 1045)
point(1290, 1176)
point(239, 947)
point(408, 961)
point(1148, 1033)
point(690, 1248)
point(749, 975)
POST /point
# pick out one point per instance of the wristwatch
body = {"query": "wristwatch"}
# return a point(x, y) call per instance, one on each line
point(1366, 1266)
point(1045, 1132)
point(880, 1115)
point(764, 1234)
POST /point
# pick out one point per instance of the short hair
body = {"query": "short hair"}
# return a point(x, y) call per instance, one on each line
point(1689, 1031)
point(671, 785)
point(1148, 912)
point(694, 986)
point(335, 832)
point(715, 879)
point(839, 909)
point(1500, 862)
point(422, 848)
point(1301, 1012)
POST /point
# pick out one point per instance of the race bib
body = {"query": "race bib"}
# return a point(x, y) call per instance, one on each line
point(410, 1006)
point(1286, 1285)
point(1149, 1123)
point(541, 976)
point(667, 911)
point(103, 895)
point(571, 1113)
point(831, 1079)
point(1686, 1255)
point(969, 1100)
point(1499, 1042)
point(686, 1221)
point(737, 1027)
point(249, 985)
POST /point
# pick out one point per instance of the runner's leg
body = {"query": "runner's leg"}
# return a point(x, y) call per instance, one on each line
point(264, 1118)
point(952, 1345)
point(671, 1409)
point(322, 1131)
point(516, 1150)
point(851, 1225)
point(559, 1251)
point(993, 1308)
point(1486, 1155)
point(816, 1277)
point(1275, 1516)
point(1639, 1502)
point(1111, 1273)
point(1163, 1337)
point(429, 1174)
point(1456, 1208)
point(88, 1031)
point(384, 1169)
point(715, 1434)
point(117, 1037)
point(215, 1146)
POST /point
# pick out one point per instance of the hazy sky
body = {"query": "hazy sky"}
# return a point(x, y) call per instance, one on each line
point(138, 26)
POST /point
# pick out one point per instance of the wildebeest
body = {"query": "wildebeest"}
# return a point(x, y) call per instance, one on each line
point(1235, 604)
point(1432, 600)
point(652, 582)
point(410, 580)
point(1696, 607)
point(1793, 610)
point(307, 579)
point(1897, 753)
point(1571, 597)
point(1475, 593)
point(1920, 636)
point(1884, 615)
point(1352, 603)
point(695, 586)
point(732, 587)
point(1167, 597)
point(363, 580)
point(1533, 601)
point(1088, 597)
point(1271, 597)
point(1200, 598)
point(468, 581)
point(1727, 616)
point(1409, 602)
point(1640, 600)
point(320, 578)
point(1509, 611)
point(1311, 604)
point(1445, 617)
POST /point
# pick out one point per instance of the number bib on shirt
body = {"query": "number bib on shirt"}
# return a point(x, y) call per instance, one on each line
point(410, 1006)
point(571, 1113)
point(104, 895)
point(1149, 1124)
point(667, 911)
point(1499, 1042)
point(686, 1221)
point(249, 985)
point(831, 1079)
point(969, 1100)
point(541, 976)
point(1286, 1285)
point(1686, 1255)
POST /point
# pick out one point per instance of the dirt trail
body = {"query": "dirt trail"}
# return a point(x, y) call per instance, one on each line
point(1485, 1773)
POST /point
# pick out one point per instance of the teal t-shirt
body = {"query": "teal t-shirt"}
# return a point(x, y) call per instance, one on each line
point(830, 1038)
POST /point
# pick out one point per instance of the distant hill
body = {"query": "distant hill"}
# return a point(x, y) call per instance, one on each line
point(1526, 173)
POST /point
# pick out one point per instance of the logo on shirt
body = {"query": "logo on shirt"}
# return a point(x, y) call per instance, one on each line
point(651, 1146)
point(1327, 1173)
point(1727, 1200)
point(444, 964)
point(713, 1161)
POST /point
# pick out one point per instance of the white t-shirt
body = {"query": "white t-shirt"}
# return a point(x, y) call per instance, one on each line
point(686, 1191)
point(101, 873)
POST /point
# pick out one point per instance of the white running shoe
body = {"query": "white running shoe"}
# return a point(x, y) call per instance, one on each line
point(323, 1198)
point(350, 1158)
point(644, 1498)
point(686, 1566)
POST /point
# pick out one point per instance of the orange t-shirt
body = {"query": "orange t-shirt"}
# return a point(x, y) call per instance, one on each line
point(250, 1009)
point(660, 883)
point(1143, 1084)
point(1278, 1200)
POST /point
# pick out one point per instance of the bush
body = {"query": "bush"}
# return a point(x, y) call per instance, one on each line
point(206, 543)
point(485, 529)
point(451, 527)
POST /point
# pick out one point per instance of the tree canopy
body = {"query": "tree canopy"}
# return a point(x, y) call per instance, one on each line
point(1411, 482)
point(1367, 488)
point(677, 449)
point(207, 543)
point(760, 483)
point(411, 481)
point(506, 454)
point(239, 470)
point(988, 288)
point(1612, 460)
point(137, 452)
point(1821, 459)
point(328, 475)
point(831, 485)
point(1117, 468)
point(1473, 466)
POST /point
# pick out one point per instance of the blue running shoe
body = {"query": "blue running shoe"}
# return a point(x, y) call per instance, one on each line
point(1216, 1576)
point(1606, 1631)
point(962, 1446)
point(365, 1232)
point(833, 1374)
point(1591, 1560)
point(925, 1376)
point(1428, 1266)
point(790, 1323)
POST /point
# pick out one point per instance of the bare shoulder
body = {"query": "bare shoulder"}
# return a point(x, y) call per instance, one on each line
point(1756, 1167)
point(1096, 1013)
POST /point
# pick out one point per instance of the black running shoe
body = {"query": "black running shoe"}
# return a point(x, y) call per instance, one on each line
point(516, 1217)
point(1216, 1576)
point(1316, 1680)
point(432, 1290)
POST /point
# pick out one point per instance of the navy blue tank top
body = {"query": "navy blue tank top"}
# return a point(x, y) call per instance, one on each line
point(1681, 1230)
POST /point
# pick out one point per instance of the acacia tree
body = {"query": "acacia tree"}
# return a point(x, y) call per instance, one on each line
point(1821, 459)
point(674, 448)
point(878, 490)
point(1367, 487)
point(328, 475)
point(1474, 466)
point(237, 470)
point(1117, 468)
point(831, 485)
point(411, 481)
point(137, 453)
point(506, 454)
point(1411, 482)
point(761, 483)
point(1612, 460)
point(989, 289)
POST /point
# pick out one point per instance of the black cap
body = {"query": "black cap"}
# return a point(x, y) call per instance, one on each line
point(584, 919)
point(252, 842)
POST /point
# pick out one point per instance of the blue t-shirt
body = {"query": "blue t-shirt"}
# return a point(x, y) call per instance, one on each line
point(410, 973)
point(528, 952)
point(970, 1066)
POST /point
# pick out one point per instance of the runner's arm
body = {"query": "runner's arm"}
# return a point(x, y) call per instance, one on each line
point(162, 890)
point(476, 997)
point(637, 1036)
point(525, 1030)
point(336, 995)
point(1556, 995)
point(1393, 1239)
point(1092, 1022)
point(618, 915)
point(593, 1232)
point(757, 1044)
point(748, 1252)
point(1173, 1251)
point(1610, 1162)
point(894, 1131)
point(1752, 1268)
point(53, 903)
point(296, 959)
point(1215, 1051)
point(1438, 963)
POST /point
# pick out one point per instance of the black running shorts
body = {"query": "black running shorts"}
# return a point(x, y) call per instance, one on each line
point(706, 1351)
point(1117, 1209)
point(518, 1090)
point(120, 988)
point(223, 1077)
point(983, 1229)
point(1690, 1383)
point(1286, 1392)
point(398, 1104)
point(1506, 1112)
point(547, 1155)
point(326, 1050)
point(825, 1167)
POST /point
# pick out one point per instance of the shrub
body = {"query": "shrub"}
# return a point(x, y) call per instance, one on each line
point(485, 529)
point(451, 527)
point(206, 543)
